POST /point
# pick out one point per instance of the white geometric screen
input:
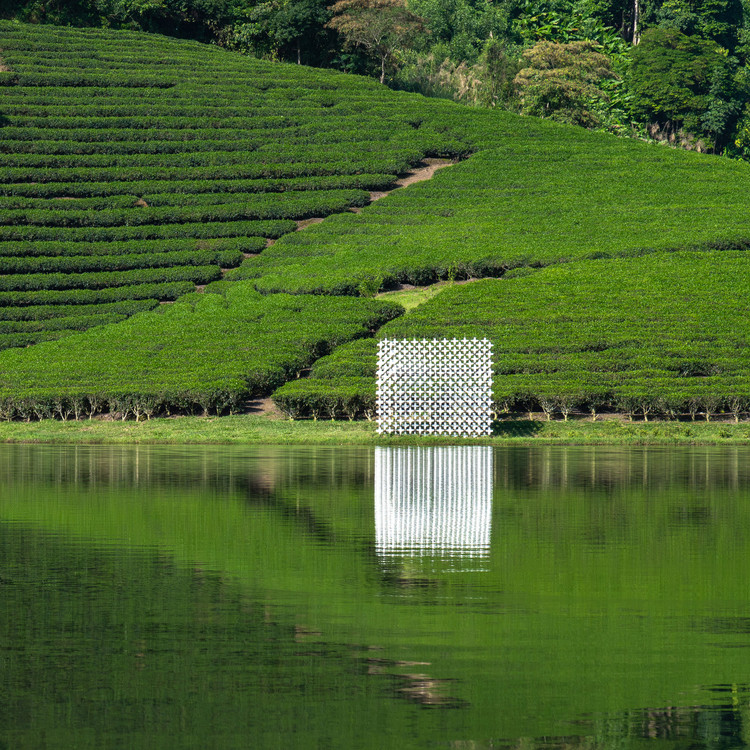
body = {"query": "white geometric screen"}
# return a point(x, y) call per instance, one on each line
point(433, 502)
point(435, 387)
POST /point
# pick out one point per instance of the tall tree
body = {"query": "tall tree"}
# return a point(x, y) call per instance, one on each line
point(380, 27)
point(561, 81)
point(282, 28)
point(671, 77)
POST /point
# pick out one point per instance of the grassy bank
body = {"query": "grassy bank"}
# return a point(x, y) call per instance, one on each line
point(258, 429)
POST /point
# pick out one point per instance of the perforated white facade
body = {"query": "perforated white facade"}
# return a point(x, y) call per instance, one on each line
point(433, 501)
point(434, 387)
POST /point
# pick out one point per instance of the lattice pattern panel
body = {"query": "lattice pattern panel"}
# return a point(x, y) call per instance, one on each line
point(435, 387)
point(434, 502)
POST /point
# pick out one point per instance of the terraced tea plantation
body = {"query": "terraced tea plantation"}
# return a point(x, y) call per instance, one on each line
point(639, 337)
point(139, 170)
point(135, 167)
point(535, 193)
point(205, 354)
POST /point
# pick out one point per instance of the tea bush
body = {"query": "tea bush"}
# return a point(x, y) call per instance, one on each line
point(206, 352)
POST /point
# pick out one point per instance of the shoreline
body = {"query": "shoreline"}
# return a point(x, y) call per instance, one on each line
point(267, 429)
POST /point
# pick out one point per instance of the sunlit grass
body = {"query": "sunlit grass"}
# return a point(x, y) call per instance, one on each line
point(267, 429)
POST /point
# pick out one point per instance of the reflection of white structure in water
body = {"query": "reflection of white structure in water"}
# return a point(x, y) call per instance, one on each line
point(433, 501)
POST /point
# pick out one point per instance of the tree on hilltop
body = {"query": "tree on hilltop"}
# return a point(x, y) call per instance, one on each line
point(380, 27)
point(561, 81)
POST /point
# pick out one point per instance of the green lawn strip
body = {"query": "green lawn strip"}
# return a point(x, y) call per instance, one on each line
point(411, 298)
point(264, 429)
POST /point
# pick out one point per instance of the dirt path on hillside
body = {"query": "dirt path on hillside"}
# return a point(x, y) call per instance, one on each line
point(424, 171)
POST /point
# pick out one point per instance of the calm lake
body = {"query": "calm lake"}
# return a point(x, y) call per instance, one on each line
point(468, 597)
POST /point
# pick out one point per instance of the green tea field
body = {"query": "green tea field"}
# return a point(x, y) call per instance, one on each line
point(138, 170)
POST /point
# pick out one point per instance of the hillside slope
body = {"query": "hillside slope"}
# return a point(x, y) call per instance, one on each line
point(177, 161)
point(133, 167)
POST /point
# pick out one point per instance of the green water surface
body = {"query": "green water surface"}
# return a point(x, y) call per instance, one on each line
point(230, 597)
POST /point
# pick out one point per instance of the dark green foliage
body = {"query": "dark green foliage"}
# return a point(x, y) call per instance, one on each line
point(350, 399)
point(536, 194)
point(340, 385)
point(203, 230)
point(178, 188)
point(80, 264)
point(27, 254)
point(641, 336)
point(274, 206)
point(111, 194)
point(637, 336)
point(157, 291)
point(47, 312)
point(103, 280)
point(671, 76)
point(561, 81)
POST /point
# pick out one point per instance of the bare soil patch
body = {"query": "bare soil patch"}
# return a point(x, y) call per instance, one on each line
point(304, 223)
point(262, 406)
point(422, 173)
point(425, 171)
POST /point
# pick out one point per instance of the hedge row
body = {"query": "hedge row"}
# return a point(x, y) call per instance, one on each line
point(49, 312)
point(18, 340)
point(334, 166)
point(104, 136)
point(314, 399)
point(64, 323)
point(156, 291)
point(521, 206)
point(28, 251)
point(340, 385)
point(74, 146)
point(208, 230)
point(142, 188)
point(638, 336)
point(183, 159)
point(139, 123)
point(264, 207)
point(220, 126)
point(104, 279)
point(83, 108)
point(79, 80)
point(79, 264)
point(251, 153)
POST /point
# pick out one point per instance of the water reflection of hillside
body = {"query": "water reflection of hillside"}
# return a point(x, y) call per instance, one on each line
point(587, 469)
point(433, 502)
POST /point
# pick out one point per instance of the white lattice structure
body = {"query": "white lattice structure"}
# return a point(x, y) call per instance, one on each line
point(433, 502)
point(435, 386)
